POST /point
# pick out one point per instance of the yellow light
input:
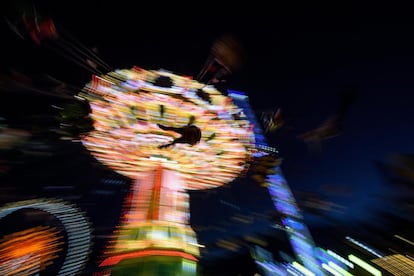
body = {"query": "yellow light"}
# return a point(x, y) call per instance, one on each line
point(29, 251)
point(404, 239)
point(339, 269)
point(303, 269)
point(331, 270)
point(364, 265)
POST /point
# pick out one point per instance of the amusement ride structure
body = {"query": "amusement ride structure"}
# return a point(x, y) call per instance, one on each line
point(170, 134)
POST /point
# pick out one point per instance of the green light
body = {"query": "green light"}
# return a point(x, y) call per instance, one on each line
point(303, 269)
point(339, 269)
point(331, 270)
point(364, 265)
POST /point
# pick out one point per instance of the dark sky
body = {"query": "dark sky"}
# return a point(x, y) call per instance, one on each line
point(299, 56)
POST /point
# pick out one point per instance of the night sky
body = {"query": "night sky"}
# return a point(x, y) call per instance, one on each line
point(298, 57)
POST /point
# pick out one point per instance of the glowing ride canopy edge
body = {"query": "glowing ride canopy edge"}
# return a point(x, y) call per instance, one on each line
point(127, 107)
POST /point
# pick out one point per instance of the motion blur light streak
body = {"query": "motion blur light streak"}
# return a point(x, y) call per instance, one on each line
point(116, 259)
point(303, 269)
point(29, 251)
point(339, 269)
point(340, 258)
point(365, 247)
point(404, 239)
point(76, 225)
point(364, 265)
point(331, 270)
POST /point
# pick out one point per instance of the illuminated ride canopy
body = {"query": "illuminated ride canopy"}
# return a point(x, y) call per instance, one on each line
point(126, 107)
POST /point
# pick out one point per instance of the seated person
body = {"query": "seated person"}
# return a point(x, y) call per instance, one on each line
point(190, 134)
